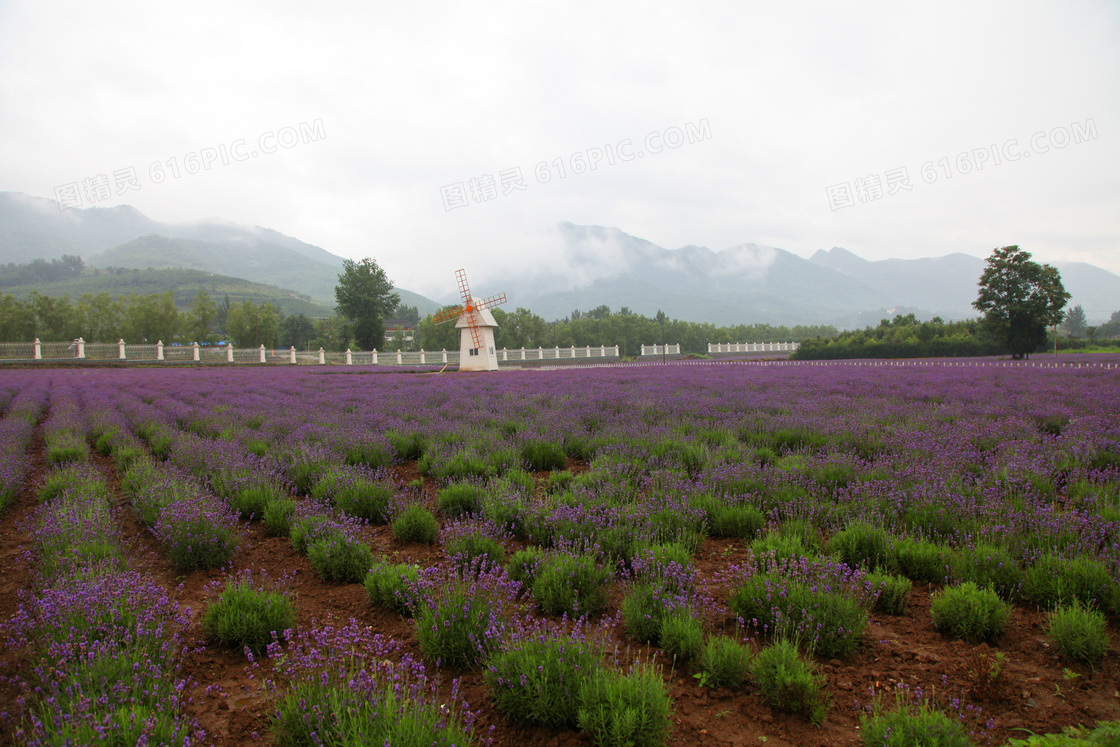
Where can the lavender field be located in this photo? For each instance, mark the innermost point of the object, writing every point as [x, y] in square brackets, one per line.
[708, 554]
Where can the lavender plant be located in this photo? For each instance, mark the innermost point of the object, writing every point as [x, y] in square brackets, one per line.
[248, 613]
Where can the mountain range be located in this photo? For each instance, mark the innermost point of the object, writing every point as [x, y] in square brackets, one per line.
[593, 266]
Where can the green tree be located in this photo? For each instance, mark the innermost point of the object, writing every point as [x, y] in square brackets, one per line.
[17, 320]
[432, 336]
[1075, 322]
[151, 318]
[251, 326]
[1020, 299]
[202, 318]
[297, 332]
[365, 297]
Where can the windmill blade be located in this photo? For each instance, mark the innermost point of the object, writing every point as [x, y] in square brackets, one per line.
[476, 336]
[495, 300]
[464, 289]
[447, 315]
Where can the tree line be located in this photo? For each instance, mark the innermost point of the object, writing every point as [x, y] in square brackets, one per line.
[148, 318]
[600, 326]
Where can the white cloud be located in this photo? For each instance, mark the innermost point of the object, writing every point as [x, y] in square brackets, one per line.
[798, 97]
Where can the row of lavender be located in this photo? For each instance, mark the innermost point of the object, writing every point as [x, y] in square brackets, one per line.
[103, 642]
[674, 456]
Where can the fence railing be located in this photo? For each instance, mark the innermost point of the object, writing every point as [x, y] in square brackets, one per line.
[661, 349]
[753, 347]
[15, 352]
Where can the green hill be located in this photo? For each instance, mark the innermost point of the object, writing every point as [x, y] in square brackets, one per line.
[185, 284]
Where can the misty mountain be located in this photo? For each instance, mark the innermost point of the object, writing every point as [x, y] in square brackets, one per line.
[751, 283]
[34, 228]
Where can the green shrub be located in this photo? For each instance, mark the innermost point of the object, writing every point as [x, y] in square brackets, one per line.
[509, 511]
[631, 710]
[338, 557]
[739, 521]
[1054, 580]
[80, 478]
[277, 516]
[459, 500]
[390, 585]
[467, 550]
[558, 481]
[245, 615]
[407, 445]
[781, 547]
[539, 456]
[681, 636]
[365, 499]
[250, 501]
[863, 546]
[988, 565]
[570, 584]
[969, 612]
[921, 560]
[1106, 734]
[828, 622]
[525, 564]
[458, 627]
[306, 529]
[539, 680]
[894, 593]
[642, 611]
[911, 726]
[416, 524]
[1079, 632]
[725, 661]
[788, 683]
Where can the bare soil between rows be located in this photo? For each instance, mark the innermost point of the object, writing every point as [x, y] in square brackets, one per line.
[1040, 693]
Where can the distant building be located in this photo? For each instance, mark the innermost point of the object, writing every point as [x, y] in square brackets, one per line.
[408, 334]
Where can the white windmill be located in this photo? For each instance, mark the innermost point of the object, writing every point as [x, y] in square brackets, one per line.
[476, 325]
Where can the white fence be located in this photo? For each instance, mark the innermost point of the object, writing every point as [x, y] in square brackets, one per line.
[661, 349]
[14, 352]
[753, 347]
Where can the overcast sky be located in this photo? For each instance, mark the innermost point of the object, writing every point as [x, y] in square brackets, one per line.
[395, 130]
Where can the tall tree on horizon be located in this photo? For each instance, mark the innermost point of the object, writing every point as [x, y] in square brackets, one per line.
[1020, 299]
[365, 297]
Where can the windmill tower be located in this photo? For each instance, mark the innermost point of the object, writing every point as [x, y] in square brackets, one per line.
[476, 325]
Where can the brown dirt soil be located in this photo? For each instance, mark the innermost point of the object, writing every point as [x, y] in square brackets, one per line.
[1038, 694]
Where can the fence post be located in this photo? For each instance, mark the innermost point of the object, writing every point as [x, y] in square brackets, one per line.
[398, 356]
[505, 354]
[522, 352]
[443, 356]
[349, 357]
[373, 356]
[540, 353]
[159, 350]
[423, 357]
[292, 354]
[81, 348]
[261, 351]
[195, 352]
[120, 348]
[322, 357]
[229, 353]
[38, 350]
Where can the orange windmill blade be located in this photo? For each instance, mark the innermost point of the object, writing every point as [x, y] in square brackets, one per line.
[473, 323]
